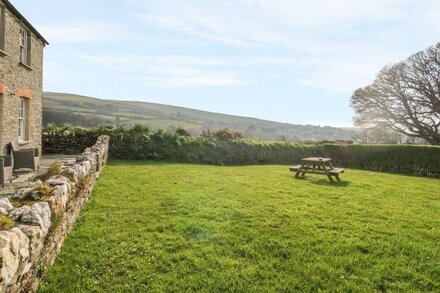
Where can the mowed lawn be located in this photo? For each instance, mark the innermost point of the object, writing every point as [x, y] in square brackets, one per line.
[163, 227]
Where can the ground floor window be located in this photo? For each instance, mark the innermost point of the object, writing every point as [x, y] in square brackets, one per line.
[22, 119]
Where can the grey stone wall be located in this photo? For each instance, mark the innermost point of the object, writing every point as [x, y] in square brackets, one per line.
[42, 224]
[67, 142]
[15, 77]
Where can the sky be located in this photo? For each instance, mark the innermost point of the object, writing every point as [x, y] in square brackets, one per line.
[282, 60]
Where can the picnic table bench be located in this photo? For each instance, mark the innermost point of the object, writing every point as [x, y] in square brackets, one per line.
[317, 165]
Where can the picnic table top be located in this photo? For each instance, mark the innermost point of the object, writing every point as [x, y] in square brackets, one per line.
[316, 160]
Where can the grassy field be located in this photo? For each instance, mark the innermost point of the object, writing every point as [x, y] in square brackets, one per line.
[163, 227]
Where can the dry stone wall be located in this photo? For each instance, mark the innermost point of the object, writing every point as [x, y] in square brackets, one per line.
[67, 142]
[43, 223]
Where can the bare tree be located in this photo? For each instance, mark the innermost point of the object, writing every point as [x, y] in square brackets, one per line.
[404, 96]
[381, 134]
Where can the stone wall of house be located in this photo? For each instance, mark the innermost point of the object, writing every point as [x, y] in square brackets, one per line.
[18, 80]
[42, 224]
[67, 142]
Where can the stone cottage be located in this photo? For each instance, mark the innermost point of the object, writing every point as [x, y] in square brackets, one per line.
[21, 80]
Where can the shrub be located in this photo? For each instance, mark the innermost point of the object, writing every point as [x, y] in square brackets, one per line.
[182, 131]
[223, 133]
[141, 143]
[421, 160]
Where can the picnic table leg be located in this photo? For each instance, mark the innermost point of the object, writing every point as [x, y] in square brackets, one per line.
[326, 172]
[330, 164]
[297, 174]
[337, 177]
[303, 166]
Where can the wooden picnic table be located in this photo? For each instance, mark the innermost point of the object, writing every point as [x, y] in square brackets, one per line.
[317, 165]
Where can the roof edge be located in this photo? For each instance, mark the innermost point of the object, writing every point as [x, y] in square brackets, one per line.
[24, 20]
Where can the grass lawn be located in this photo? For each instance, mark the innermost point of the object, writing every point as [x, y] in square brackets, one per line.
[163, 227]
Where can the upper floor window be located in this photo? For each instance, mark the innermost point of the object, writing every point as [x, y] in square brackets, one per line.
[25, 47]
[2, 27]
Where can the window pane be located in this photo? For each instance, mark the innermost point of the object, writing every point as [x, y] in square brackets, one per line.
[21, 128]
[22, 55]
[22, 123]
[28, 48]
[25, 47]
[2, 27]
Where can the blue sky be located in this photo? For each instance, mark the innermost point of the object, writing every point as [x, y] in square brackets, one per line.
[283, 60]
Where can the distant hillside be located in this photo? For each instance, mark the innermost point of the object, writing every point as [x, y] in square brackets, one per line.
[61, 108]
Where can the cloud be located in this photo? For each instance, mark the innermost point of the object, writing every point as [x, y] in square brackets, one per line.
[282, 22]
[340, 74]
[334, 45]
[217, 21]
[84, 32]
[169, 71]
[131, 61]
[197, 78]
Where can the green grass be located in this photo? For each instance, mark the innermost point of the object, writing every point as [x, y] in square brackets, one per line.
[163, 227]
[6, 222]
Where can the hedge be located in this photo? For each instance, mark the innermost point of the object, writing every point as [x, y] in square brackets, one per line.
[140, 143]
[420, 160]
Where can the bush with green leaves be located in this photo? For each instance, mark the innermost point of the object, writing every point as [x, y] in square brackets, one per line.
[224, 133]
[182, 131]
[421, 160]
[142, 143]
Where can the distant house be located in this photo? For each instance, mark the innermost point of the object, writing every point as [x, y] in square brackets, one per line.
[21, 79]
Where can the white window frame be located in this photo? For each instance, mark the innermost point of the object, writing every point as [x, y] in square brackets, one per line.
[25, 43]
[22, 119]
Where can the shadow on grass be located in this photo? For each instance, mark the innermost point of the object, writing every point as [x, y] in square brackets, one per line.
[325, 182]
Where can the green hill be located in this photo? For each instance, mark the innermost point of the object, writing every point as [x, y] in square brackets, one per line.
[62, 108]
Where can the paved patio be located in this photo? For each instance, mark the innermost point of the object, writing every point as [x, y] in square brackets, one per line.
[23, 179]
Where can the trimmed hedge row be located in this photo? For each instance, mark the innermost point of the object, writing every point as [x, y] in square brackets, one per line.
[422, 160]
[140, 143]
[208, 151]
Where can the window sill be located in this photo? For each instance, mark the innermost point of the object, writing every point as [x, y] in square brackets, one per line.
[23, 142]
[25, 66]
[3, 53]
